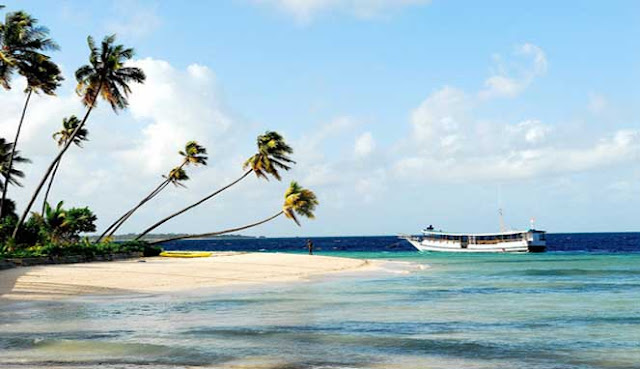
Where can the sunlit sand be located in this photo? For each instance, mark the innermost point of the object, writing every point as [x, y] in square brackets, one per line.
[157, 275]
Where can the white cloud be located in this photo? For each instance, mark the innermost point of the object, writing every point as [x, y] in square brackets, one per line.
[133, 19]
[511, 80]
[440, 116]
[364, 145]
[450, 144]
[330, 161]
[529, 132]
[179, 106]
[306, 10]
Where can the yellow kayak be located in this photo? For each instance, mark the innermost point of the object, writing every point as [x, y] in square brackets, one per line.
[186, 254]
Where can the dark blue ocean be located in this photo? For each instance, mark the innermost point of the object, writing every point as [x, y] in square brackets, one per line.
[574, 307]
[557, 242]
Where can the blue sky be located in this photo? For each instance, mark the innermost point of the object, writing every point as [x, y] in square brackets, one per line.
[402, 112]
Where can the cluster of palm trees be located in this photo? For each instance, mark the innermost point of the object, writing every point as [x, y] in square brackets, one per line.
[107, 77]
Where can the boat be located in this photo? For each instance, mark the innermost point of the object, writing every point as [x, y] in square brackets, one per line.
[531, 240]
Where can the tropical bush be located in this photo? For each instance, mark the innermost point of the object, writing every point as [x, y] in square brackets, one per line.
[84, 248]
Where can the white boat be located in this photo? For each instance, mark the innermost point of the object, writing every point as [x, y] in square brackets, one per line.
[506, 241]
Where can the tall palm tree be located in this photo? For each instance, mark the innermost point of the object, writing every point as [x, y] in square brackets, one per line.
[297, 200]
[193, 154]
[22, 42]
[107, 76]
[273, 154]
[62, 136]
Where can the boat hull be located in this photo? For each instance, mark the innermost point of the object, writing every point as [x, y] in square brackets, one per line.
[514, 247]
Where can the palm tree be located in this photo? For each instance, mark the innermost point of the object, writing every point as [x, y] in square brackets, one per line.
[297, 200]
[193, 154]
[107, 76]
[273, 154]
[62, 136]
[11, 174]
[22, 41]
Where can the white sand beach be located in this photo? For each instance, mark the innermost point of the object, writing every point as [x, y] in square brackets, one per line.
[165, 275]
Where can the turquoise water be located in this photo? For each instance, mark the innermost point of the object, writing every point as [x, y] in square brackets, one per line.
[554, 310]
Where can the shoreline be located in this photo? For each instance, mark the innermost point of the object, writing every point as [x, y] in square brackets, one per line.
[162, 275]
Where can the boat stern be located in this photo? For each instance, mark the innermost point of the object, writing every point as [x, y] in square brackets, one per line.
[536, 241]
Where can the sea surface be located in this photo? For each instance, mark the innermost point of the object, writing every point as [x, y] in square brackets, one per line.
[574, 307]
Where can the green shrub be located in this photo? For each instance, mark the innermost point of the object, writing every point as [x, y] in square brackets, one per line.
[83, 248]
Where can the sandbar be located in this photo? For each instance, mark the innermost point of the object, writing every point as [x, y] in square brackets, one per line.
[166, 275]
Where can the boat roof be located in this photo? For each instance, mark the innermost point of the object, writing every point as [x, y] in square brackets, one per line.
[479, 234]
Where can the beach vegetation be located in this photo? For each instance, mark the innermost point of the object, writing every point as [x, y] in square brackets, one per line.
[84, 249]
[105, 76]
[108, 77]
[22, 45]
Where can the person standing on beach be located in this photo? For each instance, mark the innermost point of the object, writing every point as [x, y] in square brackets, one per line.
[310, 247]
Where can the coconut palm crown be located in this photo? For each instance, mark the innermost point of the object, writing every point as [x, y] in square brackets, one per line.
[194, 154]
[299, 200]
[13, 174]
[273, 154]
[176, 175]
[68, 126]
[41, 73]
[106, 74]
[22, 42]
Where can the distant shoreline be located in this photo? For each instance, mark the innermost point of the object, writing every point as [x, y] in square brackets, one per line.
[161, 236]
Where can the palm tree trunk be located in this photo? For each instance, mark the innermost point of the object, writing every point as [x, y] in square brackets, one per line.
[46, 194]
[13, 152]
[156, 225]
[53, 163]
[219, 232]
[115, 225]
[130, 213]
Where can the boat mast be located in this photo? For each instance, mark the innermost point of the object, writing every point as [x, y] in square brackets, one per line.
[503, 228]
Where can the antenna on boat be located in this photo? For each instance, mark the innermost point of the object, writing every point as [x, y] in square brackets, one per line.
[532, 222]
[503, 228]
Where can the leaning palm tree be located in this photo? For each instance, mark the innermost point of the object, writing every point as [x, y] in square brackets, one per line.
[22, 42]
[107, 76]
[297, 200]
[193, 154]
[62, 136]
[273, 154]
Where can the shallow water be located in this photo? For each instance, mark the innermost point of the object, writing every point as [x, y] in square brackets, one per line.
[554, 310]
